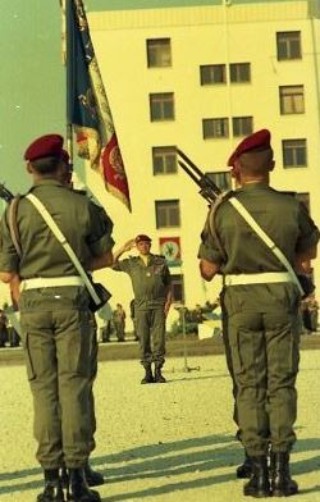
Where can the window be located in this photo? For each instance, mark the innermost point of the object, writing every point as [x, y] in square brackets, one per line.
[213, 74]
[164, 160]
[291, 99]
[215, 128]
[242, 126]
[289, 45]
[159, 52]
[222, 180]
[240, 72]
[294, 153]
[167, 213]
[177, 285]
[162, 106]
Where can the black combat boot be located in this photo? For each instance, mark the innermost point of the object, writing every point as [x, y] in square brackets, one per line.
[244, 470]
[94, 478]
[158, 377]
[148, 378]
[259, 485]
[52, 487]
[281, 483]
[64, 477]
[79, 489]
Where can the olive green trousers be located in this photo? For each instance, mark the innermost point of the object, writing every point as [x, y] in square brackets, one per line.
[263, 361]
[151, 329]
[57, 340]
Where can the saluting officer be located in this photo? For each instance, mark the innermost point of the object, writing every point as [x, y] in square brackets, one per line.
[261, 306]
[151, 282]
[55, 315]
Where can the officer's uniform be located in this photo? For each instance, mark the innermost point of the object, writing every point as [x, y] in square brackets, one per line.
[150, 284]
[261, 313]
[56, 322]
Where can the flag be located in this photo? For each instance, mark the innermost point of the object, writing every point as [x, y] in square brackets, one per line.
[88, 108]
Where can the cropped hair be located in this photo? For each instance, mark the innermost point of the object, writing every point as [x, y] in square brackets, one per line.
[256, 162]
[46, 165]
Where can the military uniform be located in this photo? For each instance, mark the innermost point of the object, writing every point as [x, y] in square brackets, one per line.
[119, 322]
[57, 330]
[261, 314]
[150, 282]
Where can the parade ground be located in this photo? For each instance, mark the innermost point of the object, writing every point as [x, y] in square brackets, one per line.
[161, 442]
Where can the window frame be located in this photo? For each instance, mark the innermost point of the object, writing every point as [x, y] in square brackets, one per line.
[242, 126]
[161, 100]
[217, 176]
[291, 103]
[287, 43]
[294, 147]
[216, 123]
[177, 281]
[159, 54]
[164, 153]
[165, 213]
[212, 74]
[235, 73]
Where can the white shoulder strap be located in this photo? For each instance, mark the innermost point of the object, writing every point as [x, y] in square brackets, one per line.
[65, 244]
[266, 239]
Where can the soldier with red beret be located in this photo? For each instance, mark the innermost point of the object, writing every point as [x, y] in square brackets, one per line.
[260, 299]
[54, 310]
[150, 277]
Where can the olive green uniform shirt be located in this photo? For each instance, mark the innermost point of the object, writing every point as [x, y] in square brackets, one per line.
[281, 216]
[87, 228]
[150, 282]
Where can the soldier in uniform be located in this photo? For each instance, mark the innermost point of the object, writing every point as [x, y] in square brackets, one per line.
[93, 477]
[151, 284]
[261, 306]
[55, 316]
[119, 322]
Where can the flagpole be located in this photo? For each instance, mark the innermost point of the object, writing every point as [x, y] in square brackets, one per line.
[67, 6]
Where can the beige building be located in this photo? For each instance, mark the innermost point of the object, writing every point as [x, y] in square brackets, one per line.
[201, 77]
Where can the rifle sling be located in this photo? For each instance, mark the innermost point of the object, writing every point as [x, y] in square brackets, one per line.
[13, 226]
[244, 213]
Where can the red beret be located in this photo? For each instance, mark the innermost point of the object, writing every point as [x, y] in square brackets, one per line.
[256, 142]
[49, 145]
[142, 238]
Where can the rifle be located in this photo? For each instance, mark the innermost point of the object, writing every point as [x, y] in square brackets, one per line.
[10, 311]
[208, 189]
[5, 194]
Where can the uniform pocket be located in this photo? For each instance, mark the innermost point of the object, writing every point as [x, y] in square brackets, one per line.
[234, 342]
[28, 358]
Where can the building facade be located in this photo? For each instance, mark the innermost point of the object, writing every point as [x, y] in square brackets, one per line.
[200, 76]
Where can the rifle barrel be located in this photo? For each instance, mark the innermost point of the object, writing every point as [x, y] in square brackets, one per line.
[189, 162]
[189, 172]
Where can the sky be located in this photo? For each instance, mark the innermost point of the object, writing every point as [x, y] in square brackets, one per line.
[32, 76]
[32, 81]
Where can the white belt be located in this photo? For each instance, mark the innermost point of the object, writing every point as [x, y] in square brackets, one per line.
[263, 278]
[51, 282]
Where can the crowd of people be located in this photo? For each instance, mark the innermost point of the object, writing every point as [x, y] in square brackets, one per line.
[8, 335]
[54, 237]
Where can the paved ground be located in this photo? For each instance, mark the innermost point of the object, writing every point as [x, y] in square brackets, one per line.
[160, 443]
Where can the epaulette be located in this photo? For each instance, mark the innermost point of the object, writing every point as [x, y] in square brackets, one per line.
[292, 194]
[79, 191]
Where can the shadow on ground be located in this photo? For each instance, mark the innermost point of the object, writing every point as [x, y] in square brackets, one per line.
[166, 460]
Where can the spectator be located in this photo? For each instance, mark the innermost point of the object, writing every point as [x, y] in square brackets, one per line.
[119, 322]
[3, 329]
